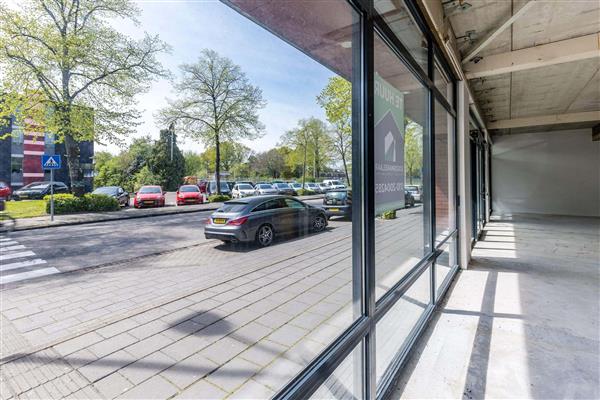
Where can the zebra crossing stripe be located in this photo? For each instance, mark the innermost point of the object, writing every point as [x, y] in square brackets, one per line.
[12, 248]
[28, 275]
[21, 264]
[7, 244]
[4, 257]
[4, 240]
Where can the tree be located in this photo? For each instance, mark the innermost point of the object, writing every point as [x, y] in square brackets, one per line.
[336, 100]
[165, 163]
[232, 153]
[269, 163]
[217, 103]
[65, 67]
[300, 138]
[319, 145]
[194, 165]
[413, 149]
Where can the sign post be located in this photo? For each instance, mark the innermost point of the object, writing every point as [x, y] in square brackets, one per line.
[51, 162]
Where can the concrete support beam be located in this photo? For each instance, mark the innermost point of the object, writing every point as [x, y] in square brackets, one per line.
[494, 33]
[589, 116]
[564, 51]
[464, 175]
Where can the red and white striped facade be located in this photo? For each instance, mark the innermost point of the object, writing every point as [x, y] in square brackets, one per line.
[33, 149]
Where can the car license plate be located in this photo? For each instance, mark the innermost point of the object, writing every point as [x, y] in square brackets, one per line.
[219, 220]
[24, 196]
[148, 202]
[334, 209]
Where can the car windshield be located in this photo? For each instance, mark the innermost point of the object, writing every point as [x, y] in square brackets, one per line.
[190, 188]
[150, 189]
[336, 183]
[413, 189]
[282, 185]
[311, 184]
[106, 190]
[224, 186]
[336, 195]
[265, 186]
[232, 207]
[244, 186]
[36, 185]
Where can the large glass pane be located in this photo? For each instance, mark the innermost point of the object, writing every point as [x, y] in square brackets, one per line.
[445, 262]
[215, 300]
[442, 82]
[345, 383]
[395, 327]
[401, 237]
[401, 22]
[445, 210]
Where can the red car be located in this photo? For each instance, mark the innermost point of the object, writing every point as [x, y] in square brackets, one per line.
[149, 196]
[189, 194]
[4, 191]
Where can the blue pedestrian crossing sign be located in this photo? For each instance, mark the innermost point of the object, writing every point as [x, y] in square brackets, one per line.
[51, 161]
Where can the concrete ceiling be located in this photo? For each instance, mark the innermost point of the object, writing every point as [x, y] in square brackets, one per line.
[558, 88]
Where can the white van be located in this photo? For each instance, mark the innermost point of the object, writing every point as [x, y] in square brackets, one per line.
[334, 184]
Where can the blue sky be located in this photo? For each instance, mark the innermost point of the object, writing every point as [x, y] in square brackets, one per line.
[289, 79]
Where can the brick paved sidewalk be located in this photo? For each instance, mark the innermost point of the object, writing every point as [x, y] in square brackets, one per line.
[205, 322]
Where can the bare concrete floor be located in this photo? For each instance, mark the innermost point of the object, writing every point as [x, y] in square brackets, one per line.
[522, 322]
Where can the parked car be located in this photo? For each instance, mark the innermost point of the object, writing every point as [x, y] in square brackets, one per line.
[312, 186]
[189, 194]
[5, 191]
[324, 188]
[334, 184]
[261, 219]
[149, 196]
[338, 202]
[262, 189]
[231, 184]
[409, 200]
[212, 188]
[284, 188]
[37, 190]
[415, 191]
[242, 190]
[296, 186]
[114, 191]
[248, 182]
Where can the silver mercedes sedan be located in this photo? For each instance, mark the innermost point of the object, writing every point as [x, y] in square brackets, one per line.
[261, 219]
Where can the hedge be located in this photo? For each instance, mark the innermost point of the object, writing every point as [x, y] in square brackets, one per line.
[68, 203]
[218, 198]
[389, 214]
[305, 192]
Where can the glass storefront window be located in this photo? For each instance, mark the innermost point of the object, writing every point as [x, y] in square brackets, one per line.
[404, 27]
[344, 383]
[395, 327]
[401, 237]
[445, 209]
[445, 262]
[442, 83]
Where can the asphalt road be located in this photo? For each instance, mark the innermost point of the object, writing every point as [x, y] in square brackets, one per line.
[80, 246]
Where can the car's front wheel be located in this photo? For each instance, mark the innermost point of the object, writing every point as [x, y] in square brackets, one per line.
[265, 235]
[319, 223]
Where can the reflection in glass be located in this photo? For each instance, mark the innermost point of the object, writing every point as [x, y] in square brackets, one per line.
[393, 329]
[442, 82]
[345, 382]
[444, 173]
[445, 262]
[400, 134]
[404, 27]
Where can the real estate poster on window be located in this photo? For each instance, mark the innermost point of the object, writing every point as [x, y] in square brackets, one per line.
[389, 147]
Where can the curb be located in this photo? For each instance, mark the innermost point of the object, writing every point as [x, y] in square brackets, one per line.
[134, 216]
[116, 218]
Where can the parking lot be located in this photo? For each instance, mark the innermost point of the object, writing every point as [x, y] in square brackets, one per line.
[201, 319]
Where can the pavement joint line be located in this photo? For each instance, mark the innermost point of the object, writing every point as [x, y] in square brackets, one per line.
[35, 349]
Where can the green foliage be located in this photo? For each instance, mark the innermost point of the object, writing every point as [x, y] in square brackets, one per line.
[305, 192]
[413, 150]
[66, 66]
[336, 100]
[26, 209]
[218, 198]
[391, 214]
[169, 173]
[309, 144]
[68, 203]
[145, 177]
[194, 164]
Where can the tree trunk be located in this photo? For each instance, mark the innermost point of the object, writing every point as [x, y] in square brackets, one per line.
[304, 167]
[75, 173]
[346, 169]
[217, 162]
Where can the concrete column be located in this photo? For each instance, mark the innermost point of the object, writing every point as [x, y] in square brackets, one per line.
[464, 175]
